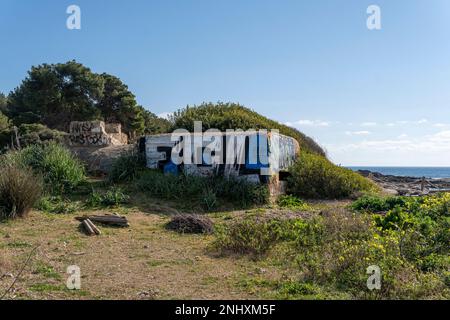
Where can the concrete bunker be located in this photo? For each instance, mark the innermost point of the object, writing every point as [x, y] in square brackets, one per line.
[258, 157]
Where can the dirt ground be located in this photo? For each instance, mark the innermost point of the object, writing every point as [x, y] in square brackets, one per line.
[145, 261]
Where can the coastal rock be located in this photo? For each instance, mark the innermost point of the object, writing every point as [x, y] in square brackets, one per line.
[407, 186]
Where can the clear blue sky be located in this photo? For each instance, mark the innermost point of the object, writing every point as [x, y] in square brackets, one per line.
[370, 97]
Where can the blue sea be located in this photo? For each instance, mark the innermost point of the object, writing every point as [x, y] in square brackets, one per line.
[428, 172]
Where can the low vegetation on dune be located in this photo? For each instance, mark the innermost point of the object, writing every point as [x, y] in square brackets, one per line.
[331, 252]
[225, 116]
[313, 176]
[60, 169]
[27, 135]
[422, 222]
[34, 171]
[208, 193]
[113, 196]
[126, 167]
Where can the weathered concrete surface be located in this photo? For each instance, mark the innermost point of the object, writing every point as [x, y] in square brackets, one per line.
[100, 159]
[257, 157]
[114, 130]
[95, 134]
[250, 151]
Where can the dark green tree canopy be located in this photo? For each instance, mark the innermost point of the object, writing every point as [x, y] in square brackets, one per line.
[154, 124]
[118, 104]
[5, 124]
[56, 94]
[4, 121]
[3, 102]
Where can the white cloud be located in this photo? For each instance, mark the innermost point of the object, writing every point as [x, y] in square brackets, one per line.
[405, 122]
[403, 136]
[441, 137]
[357, 133]
[431, 143]
[428, 150]
[309, 123]
[368, 124]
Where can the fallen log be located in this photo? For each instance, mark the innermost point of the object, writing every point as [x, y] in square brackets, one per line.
[87, 227]
[93, 227]
[110, 220]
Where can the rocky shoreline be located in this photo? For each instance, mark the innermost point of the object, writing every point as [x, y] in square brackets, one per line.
[407, 186]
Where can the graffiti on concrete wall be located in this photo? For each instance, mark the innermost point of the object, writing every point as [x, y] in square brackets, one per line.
[250, 153]
[95, 134]
[93, 139]
[88, 133]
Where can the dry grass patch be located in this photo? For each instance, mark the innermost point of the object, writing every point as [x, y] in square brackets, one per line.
[145, 261]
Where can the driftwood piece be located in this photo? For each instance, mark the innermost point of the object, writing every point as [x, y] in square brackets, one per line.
[107, 220]
[87, 227]
[93, 227]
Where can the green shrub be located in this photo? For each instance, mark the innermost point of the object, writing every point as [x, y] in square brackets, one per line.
[33, 134]
[5, 131]
[204, 191]
[378, 204]
[4, 122]
[295, 288]
[424, 225]
[394, 219]
[334, 250]
[29, 134]
[57, 205]
[251, 235]
[313, 176]
[114, 196]
[239, 191]
[209, 199]
[422, 221]
[20, 189]
[61, 171]
[126, 167]
[292, 202]
[170, 186]
[346, 245]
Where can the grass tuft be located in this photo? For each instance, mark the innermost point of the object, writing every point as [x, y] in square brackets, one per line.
[20, 189]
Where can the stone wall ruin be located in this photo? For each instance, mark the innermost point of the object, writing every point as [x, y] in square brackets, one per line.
[96, 134]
